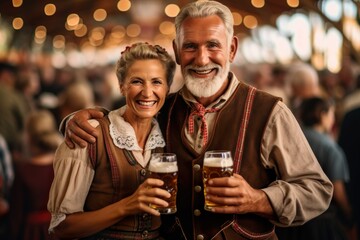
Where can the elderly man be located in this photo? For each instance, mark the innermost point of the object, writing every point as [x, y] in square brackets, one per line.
[277, 179]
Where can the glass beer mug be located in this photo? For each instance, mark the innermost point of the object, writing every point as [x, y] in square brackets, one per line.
[164, 166]
[216, 164]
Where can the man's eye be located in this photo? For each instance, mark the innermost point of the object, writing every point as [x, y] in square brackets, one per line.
[189, 47]
[212, 45]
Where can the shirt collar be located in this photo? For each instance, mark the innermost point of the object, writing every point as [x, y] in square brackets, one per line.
[123, 134]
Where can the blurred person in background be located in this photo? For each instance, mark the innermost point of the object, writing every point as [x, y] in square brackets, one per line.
[349, 139]
[29, 218]
[317, 117]
[348, 73]
[76, 96]
[28, 85]
[302, 81]
[278, 84]
[104, 84]
[331, 88]
[55, 81]
[261, 77]
[102, 192]
[6, 179]
[258, 75]
[12, 110]
[330, 85]
[352, 100]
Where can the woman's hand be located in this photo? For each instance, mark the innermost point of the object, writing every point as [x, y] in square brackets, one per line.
[149, 192]
[82, 224]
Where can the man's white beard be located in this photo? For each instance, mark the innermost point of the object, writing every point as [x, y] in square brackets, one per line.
[205, 87]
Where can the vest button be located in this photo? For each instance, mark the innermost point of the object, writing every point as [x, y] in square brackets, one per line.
[197, 188]
[145, 234]
[197, 212]
[196, 167]
[143, 172]
[200, 237]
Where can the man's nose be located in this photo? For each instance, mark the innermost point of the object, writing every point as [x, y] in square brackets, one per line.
[202, 57]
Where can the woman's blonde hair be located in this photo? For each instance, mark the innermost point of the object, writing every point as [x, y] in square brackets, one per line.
[144, 51]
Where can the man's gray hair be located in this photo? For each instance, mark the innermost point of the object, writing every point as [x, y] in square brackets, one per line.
[201, 9]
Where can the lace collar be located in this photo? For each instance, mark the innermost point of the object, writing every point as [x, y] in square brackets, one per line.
[123, 134]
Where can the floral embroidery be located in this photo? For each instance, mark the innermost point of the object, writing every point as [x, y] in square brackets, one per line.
[126, 141]
[56, 219]
[123, 134]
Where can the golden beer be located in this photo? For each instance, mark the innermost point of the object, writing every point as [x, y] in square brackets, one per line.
[215, 166]
[165, 168]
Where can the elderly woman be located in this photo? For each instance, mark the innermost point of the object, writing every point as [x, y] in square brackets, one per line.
[101, 192]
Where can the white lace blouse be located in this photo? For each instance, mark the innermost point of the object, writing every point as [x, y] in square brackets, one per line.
[74, 172]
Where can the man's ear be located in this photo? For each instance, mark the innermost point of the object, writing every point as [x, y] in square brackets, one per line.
[233, 48]
[176, 52]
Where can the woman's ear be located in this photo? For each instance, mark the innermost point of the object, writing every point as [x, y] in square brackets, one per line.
[122, 89]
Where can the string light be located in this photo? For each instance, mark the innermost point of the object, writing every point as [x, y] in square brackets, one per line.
[49, 9]
[124, 5]
[18, 23]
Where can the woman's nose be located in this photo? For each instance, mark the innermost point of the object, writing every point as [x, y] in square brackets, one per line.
[147, 90]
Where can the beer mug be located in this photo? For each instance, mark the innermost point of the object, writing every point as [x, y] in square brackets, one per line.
[164, 166]
[216, 164]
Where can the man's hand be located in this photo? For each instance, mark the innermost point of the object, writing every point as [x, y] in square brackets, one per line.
[237, 197]
[78, 130]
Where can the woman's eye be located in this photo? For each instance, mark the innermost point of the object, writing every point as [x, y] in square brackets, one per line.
[135, 81]
[157, 82]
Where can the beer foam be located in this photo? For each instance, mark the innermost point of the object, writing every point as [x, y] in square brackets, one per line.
[218, 162]
[163, 167]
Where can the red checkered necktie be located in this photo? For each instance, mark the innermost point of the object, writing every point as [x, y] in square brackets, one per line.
[200, 111]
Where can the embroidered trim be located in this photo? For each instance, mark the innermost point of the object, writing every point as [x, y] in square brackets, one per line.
[243, 127]
[56, 219]
[123, 134]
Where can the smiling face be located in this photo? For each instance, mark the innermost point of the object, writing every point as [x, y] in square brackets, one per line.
[145, 89]
[204, 54]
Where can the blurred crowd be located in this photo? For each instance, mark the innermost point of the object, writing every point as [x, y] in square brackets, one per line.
[34, 100]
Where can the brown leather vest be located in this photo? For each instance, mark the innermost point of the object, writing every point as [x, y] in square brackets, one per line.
[229, 124]
[117, 175]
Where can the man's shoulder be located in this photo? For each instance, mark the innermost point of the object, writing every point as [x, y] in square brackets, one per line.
[260, 94]
[267, 96]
